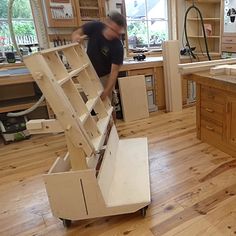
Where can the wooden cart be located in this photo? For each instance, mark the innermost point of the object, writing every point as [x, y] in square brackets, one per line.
[80, 185]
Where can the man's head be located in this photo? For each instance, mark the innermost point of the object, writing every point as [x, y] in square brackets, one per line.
[115, 25]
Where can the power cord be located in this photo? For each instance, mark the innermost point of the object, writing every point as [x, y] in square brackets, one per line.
[13, 39]
[203, 29]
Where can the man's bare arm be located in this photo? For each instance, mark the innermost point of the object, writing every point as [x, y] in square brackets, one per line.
[111, 81]
[78, 35]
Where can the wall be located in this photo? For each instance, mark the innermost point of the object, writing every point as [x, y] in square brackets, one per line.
[230, 21]
[111, 5]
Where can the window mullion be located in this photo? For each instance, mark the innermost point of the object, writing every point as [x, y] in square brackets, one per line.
[146, 12]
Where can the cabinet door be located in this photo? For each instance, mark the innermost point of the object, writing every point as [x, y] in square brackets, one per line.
[231, 124]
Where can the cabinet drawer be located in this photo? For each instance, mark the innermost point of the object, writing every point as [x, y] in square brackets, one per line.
[211, 95]
[148, 71]
[228, 40]
[149, 81]
[212, 110]
[212, 115]
[210, 130]
[227, 47]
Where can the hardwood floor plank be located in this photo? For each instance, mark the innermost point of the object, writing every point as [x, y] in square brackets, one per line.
[193, 185]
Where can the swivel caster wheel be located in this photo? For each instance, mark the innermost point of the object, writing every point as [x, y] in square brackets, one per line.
[66, 223]
[144, 211]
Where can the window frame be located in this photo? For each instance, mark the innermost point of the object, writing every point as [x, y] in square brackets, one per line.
[172, 28]
[23, 41]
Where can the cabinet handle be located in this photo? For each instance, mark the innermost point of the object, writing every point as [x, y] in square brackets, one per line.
[227, 107]
[229, 40]
[73, 11]
[211, 96]
[209, 110]
[210, 128]
[228, 47]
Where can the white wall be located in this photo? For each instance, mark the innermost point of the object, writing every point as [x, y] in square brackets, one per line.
[229, 27]
[111, 5]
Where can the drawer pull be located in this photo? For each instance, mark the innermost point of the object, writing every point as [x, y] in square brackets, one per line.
[228, 47]
[211, 96]
[210, 128]
[229, 40]
[227, 107]
[209, 110]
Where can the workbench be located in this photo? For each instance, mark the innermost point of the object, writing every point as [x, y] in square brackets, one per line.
[17, 74]
[216, 109]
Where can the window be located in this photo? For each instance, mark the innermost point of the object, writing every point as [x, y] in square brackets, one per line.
[147, 23]
[23, 26]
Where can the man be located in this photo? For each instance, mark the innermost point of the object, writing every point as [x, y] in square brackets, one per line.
[105, 48]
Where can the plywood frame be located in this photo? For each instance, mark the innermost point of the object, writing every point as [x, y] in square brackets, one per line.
[74, 190]
[173, 83]
[83, 196]
[133, 97]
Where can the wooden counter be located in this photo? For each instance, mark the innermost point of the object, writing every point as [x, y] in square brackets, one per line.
[130, 64]
[150, 66]
[216, 110]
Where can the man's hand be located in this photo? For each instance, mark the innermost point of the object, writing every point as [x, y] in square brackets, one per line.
[105, 94]
[78, 36]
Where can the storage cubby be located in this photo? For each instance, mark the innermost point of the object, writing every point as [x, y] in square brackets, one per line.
[89, 10]
[212, 17]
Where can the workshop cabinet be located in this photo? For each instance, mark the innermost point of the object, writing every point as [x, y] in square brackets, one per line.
[216, 112]
[60, 13]
[231, 125]
[211, 11]
[212, 110]
[90, 10]
[72, 13]
[229, 32]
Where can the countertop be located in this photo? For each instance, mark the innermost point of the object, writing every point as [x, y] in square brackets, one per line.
[224, 82]
[131, 64]
[17, 73]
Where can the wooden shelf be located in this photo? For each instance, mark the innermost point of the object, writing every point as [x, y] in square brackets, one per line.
[89, 18]
[89, 8]
[211, 11]
[72, 74]
[102, 126]
[202, 37]
[205, 1]
[211, 53]
[205, 19]
[18, 104]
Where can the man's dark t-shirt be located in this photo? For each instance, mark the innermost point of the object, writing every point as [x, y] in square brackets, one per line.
[102, 52]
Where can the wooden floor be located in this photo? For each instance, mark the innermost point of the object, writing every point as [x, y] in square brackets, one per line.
[193, 185]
